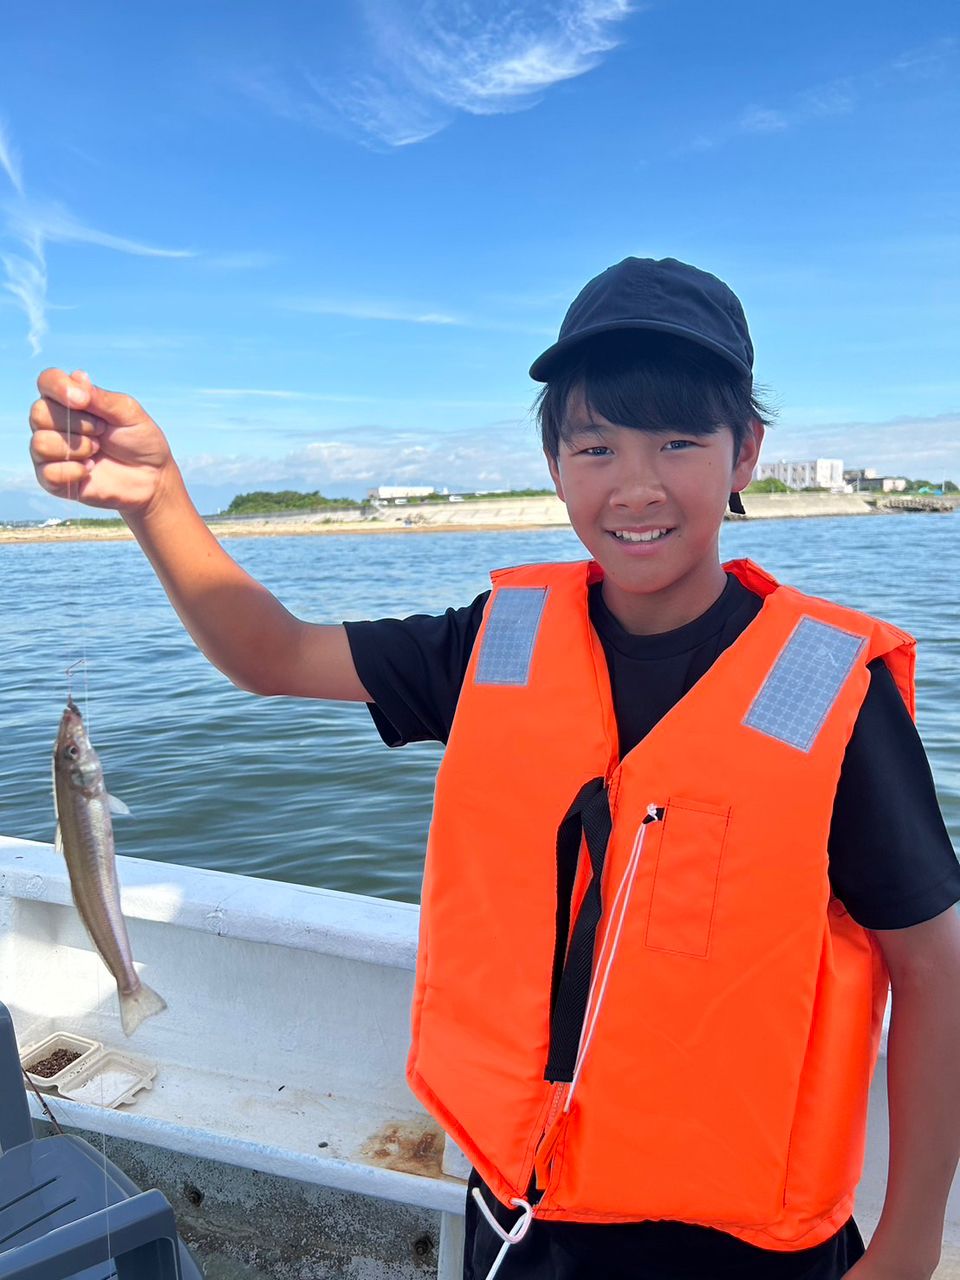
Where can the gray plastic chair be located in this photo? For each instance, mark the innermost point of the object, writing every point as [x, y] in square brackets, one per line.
[135, 1239]
[67, 1211]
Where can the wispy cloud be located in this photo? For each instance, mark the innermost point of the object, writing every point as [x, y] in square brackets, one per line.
[410, 313]
[27, 282]
[763, 120]
[918, 447]
[50, 222]
[927, 60]
[381, 455]
[834, 98]
[9, 160]
[293, 426]
[425, 64]
[369, 311]
[29, 225]
[837, 97]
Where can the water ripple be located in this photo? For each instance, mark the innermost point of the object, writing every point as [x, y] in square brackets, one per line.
[304, 791]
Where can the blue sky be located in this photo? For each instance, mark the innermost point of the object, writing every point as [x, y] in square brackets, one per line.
[322, 243]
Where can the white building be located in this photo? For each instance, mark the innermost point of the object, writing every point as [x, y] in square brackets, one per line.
[866, 479]
[820, 473]
[391, 492]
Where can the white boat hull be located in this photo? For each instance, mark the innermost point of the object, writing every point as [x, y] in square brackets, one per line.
[282, 1050]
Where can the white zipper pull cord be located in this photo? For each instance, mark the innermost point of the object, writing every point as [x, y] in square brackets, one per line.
[624, 889]
[513, 1236]
[621, 900]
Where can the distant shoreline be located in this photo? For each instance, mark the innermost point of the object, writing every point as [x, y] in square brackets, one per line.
[490, 515]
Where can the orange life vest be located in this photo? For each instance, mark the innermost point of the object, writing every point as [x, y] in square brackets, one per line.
[696, 1041]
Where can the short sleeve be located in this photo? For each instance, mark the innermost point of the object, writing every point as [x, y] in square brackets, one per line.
[891, 861]
[413, 669]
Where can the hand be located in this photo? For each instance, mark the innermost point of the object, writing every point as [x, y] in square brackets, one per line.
[96, 446]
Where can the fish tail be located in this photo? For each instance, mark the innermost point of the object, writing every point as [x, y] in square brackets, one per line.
[135, 1006]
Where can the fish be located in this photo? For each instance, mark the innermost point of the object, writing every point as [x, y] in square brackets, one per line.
[85, 837]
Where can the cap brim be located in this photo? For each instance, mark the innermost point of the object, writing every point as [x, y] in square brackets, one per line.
[553, 359]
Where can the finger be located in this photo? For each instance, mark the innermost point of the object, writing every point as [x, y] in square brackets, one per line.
[81, 375]
[115, 408]
[51, 446]
[48, 415]
[56, 385]
[57, 476]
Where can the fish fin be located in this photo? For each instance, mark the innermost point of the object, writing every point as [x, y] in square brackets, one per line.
[58, 840]
[117, 807]
[138, 1005]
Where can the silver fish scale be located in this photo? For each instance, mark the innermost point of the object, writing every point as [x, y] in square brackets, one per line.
[86, 834]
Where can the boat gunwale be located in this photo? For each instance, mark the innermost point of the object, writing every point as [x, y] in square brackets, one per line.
[247, 908]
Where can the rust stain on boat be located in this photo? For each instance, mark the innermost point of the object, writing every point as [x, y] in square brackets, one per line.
[406, 1148]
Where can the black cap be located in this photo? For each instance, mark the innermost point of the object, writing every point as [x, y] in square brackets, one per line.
[664, 295]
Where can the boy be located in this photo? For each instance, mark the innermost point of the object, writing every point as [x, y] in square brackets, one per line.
[683, 830]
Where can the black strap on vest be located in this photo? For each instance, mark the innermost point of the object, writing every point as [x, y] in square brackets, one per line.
[588, 818]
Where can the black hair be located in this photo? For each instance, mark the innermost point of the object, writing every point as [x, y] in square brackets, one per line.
[653, 382]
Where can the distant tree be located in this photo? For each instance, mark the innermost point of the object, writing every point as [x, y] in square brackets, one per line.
[263, 502]
[494, 497]
[950, 487]
[770, 485]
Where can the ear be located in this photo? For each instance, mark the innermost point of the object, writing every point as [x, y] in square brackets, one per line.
[746, 462]
[554, 474]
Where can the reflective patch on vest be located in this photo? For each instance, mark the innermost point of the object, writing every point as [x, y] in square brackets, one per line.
[509, 636]
[796, 697]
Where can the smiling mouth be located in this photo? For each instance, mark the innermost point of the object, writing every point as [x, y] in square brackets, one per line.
[648, 535]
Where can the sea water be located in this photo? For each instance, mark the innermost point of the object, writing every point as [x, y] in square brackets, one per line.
[305, 791]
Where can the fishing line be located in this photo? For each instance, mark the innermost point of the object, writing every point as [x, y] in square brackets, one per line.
[82, 601]
[42, 1100]
[82, 660]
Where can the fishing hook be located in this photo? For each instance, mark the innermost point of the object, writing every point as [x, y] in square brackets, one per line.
[80, 662]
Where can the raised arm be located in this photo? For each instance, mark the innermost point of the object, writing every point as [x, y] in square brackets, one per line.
[103, 449]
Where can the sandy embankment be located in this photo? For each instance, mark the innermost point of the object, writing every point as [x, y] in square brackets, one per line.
[505, 513]
[489, 514]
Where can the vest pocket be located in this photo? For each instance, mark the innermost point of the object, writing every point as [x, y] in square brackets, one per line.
[684, 893]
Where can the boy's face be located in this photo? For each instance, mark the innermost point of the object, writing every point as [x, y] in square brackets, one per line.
[648, 507]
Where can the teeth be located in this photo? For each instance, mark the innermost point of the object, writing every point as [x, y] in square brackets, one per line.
[625, 536]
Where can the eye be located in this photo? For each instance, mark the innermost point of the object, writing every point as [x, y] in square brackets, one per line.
[677, 446]
[595, 451]
[72, 751]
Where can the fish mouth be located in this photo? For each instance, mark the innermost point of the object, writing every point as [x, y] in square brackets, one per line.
[72, 730]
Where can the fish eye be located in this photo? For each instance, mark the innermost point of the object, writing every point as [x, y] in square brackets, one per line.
[72, 751]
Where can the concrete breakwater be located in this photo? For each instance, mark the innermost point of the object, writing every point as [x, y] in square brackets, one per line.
[916, 502]
[487, 514]
[770, 506]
